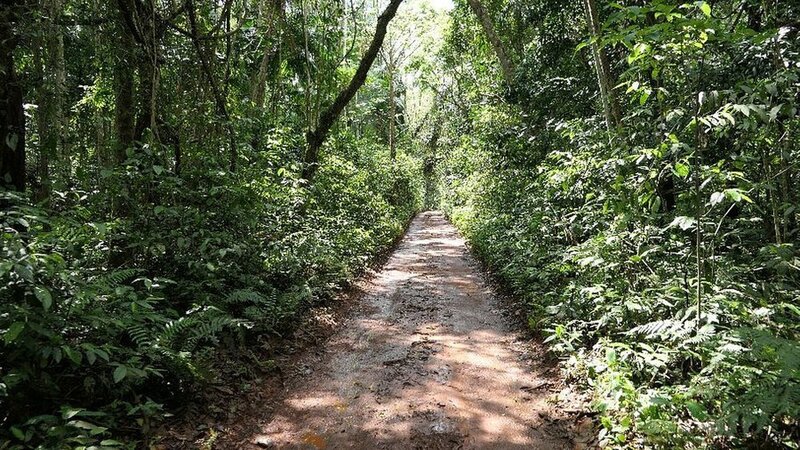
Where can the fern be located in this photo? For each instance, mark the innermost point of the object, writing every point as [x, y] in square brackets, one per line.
[174, 329]
[762, 385]
[197, 326]
[141, 335]
[657, 328]
[244, 296]
[111, 280]
[210, 329]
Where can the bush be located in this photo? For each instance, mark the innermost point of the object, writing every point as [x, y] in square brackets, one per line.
[104, 322]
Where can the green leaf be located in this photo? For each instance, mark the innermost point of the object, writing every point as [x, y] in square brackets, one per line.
[99, 226]
[74, 356]
[681, 170]
[13, 332]
[697, 411]
[102, 354]
[643, 98]
[44, 296]
[728, 116]
[706, 8]
[773, 113]
[24, 272]
[97, 430]
[58, 354]
[82, 424]
[11, 141]
[119, 373]
[791, 308]
[19, 434]
[737, 195]
[69, 413]
[5, 267]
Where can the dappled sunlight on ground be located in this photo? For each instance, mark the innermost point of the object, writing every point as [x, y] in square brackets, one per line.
[426, 361]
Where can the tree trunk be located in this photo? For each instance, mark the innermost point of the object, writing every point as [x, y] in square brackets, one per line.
[506, 65]
[124, 130]
[51, 93]
[274, 20]
[316, 137]
[392, 114]
[12, 114]
[429, 168]
[123, 100]
[610, 106]
[219, 98]
[146, 97]
[41, 186]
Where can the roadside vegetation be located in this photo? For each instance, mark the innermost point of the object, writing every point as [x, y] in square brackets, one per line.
[181, 180]
[636, 185]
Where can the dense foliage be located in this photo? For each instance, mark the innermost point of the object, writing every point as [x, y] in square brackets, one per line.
[166, 229]
[628, 169]
[656, 248]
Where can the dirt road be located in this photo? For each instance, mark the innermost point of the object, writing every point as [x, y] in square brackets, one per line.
[425, 360]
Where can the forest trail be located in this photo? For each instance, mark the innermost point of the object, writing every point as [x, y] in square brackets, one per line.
[424, 360]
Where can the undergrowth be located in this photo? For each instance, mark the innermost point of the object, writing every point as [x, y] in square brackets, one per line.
[93, 353]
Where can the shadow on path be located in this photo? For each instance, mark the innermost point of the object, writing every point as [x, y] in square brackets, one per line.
[424, 361]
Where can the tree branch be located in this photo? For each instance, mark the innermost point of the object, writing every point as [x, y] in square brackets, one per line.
[315, 138]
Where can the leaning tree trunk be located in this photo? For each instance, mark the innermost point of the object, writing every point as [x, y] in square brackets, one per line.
[12, 114]
[611, 109]
[506, 65]
[316, 137]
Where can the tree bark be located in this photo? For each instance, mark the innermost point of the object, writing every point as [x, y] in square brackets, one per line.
[611, 108]
[274, 19]
[50, 93]
[123, 99]
[392, 114]
[12, 114]
[506, 65]
[147, 68]
[316, 137]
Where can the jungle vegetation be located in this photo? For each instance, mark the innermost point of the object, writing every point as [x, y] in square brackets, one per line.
[181, 179]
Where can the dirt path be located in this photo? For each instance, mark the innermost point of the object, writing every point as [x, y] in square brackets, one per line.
[425, 360]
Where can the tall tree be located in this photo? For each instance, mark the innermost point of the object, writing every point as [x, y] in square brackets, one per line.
[316, 137]
[123, 92]
[506, 64]
[611, 110]
[49, 113]
[400, 44]
[12, 114]
[273, 18]
[205, 64]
